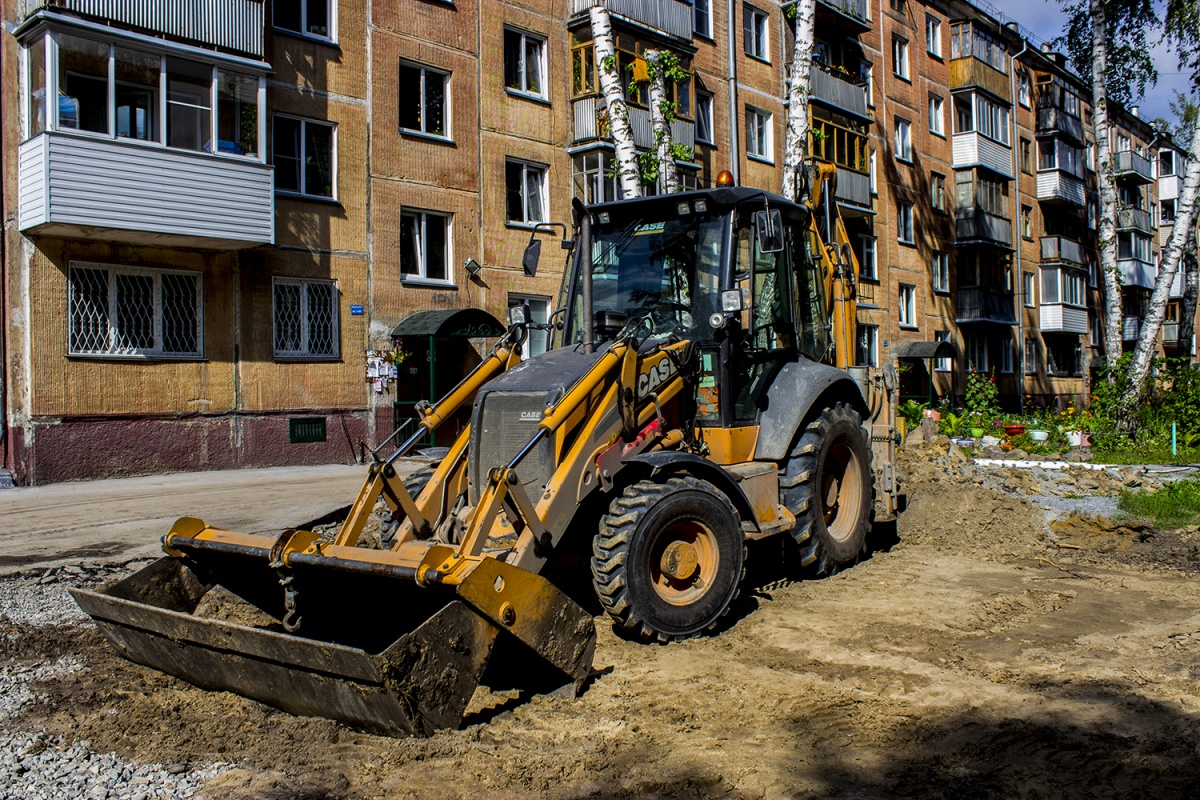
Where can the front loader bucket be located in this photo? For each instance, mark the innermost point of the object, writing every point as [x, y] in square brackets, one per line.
[371, 650]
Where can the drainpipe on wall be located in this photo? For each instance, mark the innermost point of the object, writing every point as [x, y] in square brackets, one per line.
[1019, 278]
[735, 165]
[5, 439]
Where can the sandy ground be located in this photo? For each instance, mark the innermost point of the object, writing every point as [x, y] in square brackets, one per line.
[976, 653]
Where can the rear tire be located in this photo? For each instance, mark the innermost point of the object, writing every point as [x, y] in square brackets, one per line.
[668, 559]
[828, 485]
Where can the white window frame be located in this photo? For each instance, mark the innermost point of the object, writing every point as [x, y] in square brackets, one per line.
[903, 140]
[933, 36]
[937, 115]
[331, 8]
[1024, 88]
[113, 312]
[447, 118]
[704, 112]
[756, 37]
[526, 166]
[1094, 337]
[333, 156]
[900, 57]
[704, 30]
[1027, 289]
[943, 364]
[907, 305]
[543, 66]
[940, 266]
[1030, 354]
[1165, 154]
[305, 347]
[422, 220]
[866, 73]
[868, 247]
[534, 301]
[904, 222]
[760, 145]
[869, 355]
[871, 173]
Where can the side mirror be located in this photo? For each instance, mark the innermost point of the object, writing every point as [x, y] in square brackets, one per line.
[768, 225]
[533, 252]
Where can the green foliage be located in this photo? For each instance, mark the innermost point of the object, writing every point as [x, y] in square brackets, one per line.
[912, 411]
[1130, 65]
[609, 63]
[1173, 506]
[681, 152]
[983, 397]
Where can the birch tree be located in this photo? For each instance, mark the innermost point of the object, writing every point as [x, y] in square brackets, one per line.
[628, 175]
[662, 111]
[1107, 223]
[1191, 292]
[795, 146]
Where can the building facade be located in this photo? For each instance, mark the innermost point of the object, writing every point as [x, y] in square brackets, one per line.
[216, 213]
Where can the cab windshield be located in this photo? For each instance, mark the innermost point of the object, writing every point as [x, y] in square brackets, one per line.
[667, 273]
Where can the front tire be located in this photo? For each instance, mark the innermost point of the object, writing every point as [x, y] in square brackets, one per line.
[668, 559]
[828, 485]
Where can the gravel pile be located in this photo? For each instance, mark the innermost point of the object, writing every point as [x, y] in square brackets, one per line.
[26, 602]
[14, 682]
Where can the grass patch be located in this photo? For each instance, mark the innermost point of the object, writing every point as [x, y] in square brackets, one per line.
[1146, 456]
[1176, 505]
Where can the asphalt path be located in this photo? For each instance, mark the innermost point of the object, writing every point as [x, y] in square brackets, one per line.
[122, 519]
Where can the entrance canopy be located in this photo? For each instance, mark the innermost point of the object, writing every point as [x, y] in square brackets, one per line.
[458, 322]
[926, 350]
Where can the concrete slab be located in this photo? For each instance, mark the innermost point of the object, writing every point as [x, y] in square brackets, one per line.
[121, 519]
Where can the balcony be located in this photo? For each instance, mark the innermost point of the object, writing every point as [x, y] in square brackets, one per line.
[971, 73]
[1128, 165]
[976, 226]
[1170, 187]
[1056, 250]
[852, 188]
[1136, 219]
[851, 14]
[1056, 122]
[235, 25]
[591, 118]
[1170, 333]
[985, 305]
[839, 90]
[669, 17]
[1058, 318]
[1131, 327]
[1056, 186]
[1135, 272]
[975, 149]
[78, 186]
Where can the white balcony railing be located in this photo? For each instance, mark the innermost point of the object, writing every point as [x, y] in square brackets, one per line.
[229, 24]
[114, 190]
[1056, 185]
[1059, 318]
[666, 16]
[975, 149]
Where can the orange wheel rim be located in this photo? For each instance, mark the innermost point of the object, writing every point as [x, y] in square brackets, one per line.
[841, 491]
[684, 561]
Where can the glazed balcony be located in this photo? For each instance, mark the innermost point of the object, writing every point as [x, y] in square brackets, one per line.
[1135, 272]
[979, 304]
[1057, 186]
[974, 149]
[1056, 122]
[1132, 167]
[669, 17]
[1061, 318]
[1057, 250]
[233, 25]
[972, 73]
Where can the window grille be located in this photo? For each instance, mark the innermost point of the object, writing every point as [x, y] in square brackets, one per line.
[306, 321]
[132, 311]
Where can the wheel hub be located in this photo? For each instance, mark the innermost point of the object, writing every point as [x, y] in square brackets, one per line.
[679, 560]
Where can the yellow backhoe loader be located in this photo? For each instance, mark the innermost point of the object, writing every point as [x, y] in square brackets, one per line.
[700, 394]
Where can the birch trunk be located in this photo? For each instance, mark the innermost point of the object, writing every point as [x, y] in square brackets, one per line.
[1185, 221]
[1107, 222]
[795, 147]
[1191, 292]
[668, 178]
[628, 175]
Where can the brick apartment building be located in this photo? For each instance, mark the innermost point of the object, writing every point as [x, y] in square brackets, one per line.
[232, 201]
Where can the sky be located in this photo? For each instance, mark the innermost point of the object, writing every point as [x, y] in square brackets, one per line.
[1046, 20]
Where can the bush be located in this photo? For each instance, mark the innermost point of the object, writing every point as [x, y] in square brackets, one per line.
[983, 398]
[912, 412]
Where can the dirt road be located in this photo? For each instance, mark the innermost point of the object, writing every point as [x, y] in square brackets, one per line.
[974, 654]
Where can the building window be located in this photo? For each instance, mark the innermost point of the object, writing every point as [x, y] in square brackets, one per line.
[942, 364]
[424, 246]
[307, 17]
[1027, 289]
[871, 173]
[903, 141]
[937, 191]
[1006, 356]
[524, 63]
[899, 5]
[1026, 156]
[868, 346]
[1166, 212]
[1091, 212]
[129, 311]
[538, 340]
[937, 115]
[1031, 356]
[867, 268]
[977, 355]
[1095, 338]
[594, 177]
[904, 223]
[758, 133]
[941, 272]
[755, 30]
[704, 118]
[1166, 163]
[933, 36]
[1027, 222]
[866, 73]
[525, 192]
[1093, 273]
[1024, 90]
[900, 57]
[423, 100]
[1091, 156]
[305, 156]
[1124, 143]
[702, 18]
[908, 306]
[306, 318]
